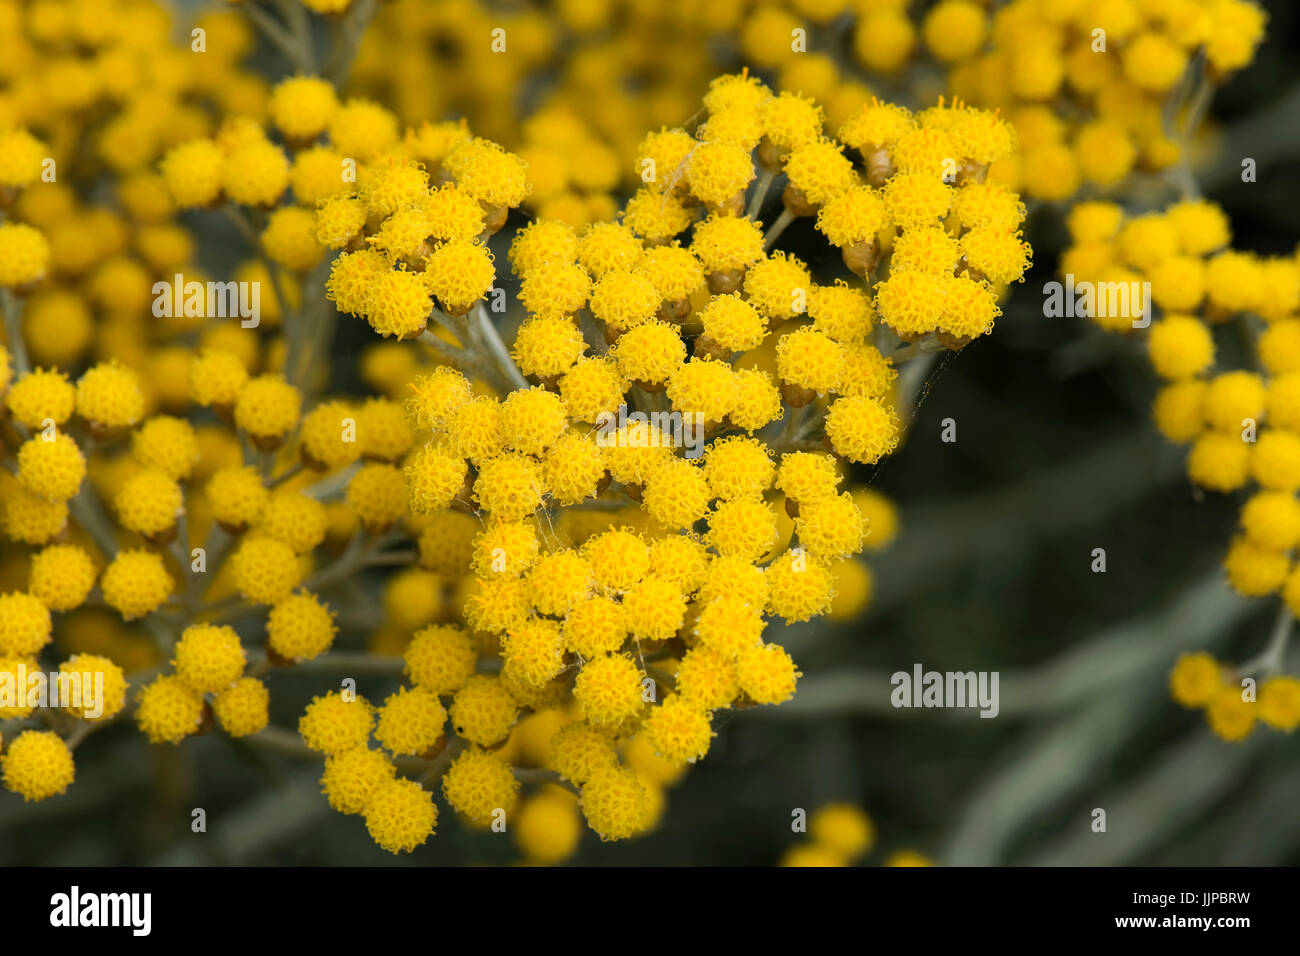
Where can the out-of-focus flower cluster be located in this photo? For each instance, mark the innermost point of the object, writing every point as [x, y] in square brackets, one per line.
[1238, 409]
[1095, 90]
[841, 834]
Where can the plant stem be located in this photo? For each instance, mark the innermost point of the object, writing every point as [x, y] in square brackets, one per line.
[1269, 661]
[14, 331]
[760, 193]
[350, 32]
[778, 227]
[497, 349]
[276, 33]
[89, 513]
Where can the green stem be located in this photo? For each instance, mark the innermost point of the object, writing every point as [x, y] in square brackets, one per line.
[1269, 661]
[760, 193]
[778, 227]
[14, 331]
[86, 508]
[497, 349]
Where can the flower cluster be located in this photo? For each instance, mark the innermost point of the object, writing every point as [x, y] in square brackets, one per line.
[1118, 66]
[1232, 707]
[624, 583]
[584, 589]
[1242, 423]
[840, 834]
[585, 542]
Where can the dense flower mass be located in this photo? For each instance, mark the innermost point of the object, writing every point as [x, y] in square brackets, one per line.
[606, 437]
[1241, 424]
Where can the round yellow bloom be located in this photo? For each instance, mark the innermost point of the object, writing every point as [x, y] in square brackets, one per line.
[609, 689]
[843, 828]
[1179, 410]
[268, 408]
[193, 172]
[482, 710]
[336, 723]
[1231, 716]
[217, 377]
[954, 29]
[615, 803]
[377, 493]
[654, 609]
[400, 815]
[296, 519]
[24, 625]
[109, 396]
[911, 302]
[883, 40]
[410, 721]
[1275, 461]
[108, 699]
[1233, 398]
[459, 273]
[799, 587]
[353, 777]
[237, 496]
[136, 583]
[1271, 520]
[23, 156]
[440, 659]
[820, 171]
[265, 570]
[547, 828]
[1195, 679]
[433, 479]
[480, 785]
[676, 493]
[62, 576]
[717, 172]
[509, 486]
[255, 174]
[362, 129]
[301, 106]
[533, 652]
[766, 673]
[149, 502]
[679, 729]
[167, 444]
[862, 429]
[561, 579]
[708, 677]
[581, 750]
[168, 710]
[209, 657]
[37, 764]
[243, 707]
[51, 467]
[1154, 62]
[488, 172]
[40, 395]
[1279, 703]
[727, 243]
[290, 239]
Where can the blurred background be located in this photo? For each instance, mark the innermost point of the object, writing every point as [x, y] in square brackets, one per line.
[991, 570]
